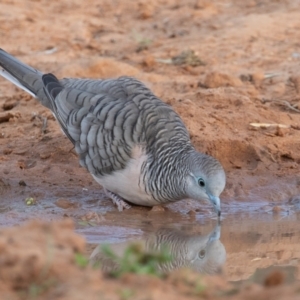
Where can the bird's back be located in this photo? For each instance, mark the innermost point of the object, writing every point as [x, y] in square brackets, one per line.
[106, 119]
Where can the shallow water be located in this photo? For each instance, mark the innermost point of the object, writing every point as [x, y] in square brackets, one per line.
[251, 236]
[243, 243]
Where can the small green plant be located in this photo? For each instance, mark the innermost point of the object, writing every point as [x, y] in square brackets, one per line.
[87, 223]
[189, 58]
[35, 290]
[199, 288]
[136, 260]
[30, 201]
[143, 43]
[126, 294]
[81, 260]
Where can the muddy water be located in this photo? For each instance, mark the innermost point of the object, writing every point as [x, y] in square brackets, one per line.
[250, 237]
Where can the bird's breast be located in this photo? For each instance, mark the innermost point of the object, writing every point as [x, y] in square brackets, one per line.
[128, 183]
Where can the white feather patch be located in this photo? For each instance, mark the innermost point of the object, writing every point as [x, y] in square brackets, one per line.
[15, 81]
[126, 183]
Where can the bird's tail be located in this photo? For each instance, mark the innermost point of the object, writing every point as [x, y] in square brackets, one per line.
[23, 76]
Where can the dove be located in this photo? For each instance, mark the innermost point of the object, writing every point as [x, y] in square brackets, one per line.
[131, 142]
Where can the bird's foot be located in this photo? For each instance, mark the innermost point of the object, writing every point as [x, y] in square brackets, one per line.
[117, 200]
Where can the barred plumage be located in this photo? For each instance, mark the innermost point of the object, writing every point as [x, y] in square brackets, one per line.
[135, 145]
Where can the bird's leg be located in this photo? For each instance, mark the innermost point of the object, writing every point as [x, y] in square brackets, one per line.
[117, 200]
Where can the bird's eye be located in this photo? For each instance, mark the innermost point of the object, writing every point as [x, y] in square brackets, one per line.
[202, 253]
[201, 182]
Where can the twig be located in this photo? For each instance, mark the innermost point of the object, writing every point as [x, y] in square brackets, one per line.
[288, 105]
[44, 120]
[266, 125]
[44, 127]
[271, 75]
[282, 102]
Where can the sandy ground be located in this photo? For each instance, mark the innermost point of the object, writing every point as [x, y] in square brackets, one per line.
[221, 64]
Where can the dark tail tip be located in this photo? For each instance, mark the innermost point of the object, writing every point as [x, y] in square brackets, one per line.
[52, 85]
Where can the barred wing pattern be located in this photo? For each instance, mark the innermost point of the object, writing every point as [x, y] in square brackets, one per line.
[105, 119]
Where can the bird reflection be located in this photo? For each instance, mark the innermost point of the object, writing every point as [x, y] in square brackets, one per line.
[202, 253]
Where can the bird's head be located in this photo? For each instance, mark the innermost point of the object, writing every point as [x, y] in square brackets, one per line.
[205, 179]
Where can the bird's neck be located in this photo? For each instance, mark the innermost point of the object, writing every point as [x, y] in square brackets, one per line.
[166, 171]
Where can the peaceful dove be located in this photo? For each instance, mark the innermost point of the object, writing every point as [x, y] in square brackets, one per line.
[133, 144]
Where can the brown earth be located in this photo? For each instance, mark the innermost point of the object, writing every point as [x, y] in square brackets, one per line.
[222, 65]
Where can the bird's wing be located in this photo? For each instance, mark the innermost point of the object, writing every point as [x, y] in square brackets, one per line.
[156, 122]
[99, 119]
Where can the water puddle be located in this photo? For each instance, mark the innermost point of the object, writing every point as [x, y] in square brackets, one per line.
[242, 245]
[251, 236]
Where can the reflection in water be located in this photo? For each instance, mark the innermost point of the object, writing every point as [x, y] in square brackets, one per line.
[202, 253]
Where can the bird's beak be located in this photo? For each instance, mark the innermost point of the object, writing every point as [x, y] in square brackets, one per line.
[216, 233]
[216, 203]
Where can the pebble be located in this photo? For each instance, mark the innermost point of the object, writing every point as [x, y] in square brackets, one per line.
[22, 183]
[157, 208]
[65, 203]
[277, 209]
[5, 117]
[215, 80]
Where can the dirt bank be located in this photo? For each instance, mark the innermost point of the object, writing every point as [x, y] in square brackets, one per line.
[222, 66]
